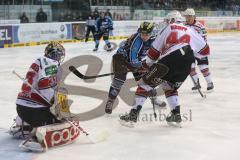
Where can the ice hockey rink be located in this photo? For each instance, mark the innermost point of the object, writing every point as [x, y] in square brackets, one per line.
[212, 133]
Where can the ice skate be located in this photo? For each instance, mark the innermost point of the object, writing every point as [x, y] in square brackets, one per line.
[130, 118]
[174, 118]
[108, 48]
[109, 106]
[95, 49]
[210, 87]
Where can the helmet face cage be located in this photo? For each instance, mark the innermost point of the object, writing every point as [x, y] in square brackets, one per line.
[146, 28]
[55, 51]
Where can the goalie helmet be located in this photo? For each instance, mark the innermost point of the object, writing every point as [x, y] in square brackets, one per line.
[174, 16]
[146, 27]
[55, 51]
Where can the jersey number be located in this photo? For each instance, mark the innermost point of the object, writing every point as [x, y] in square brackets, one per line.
[173, 38]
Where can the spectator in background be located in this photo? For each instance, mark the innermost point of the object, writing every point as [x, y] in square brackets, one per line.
[23, 18]
[96, 13]
[77, 16]
[61, 17]
[108, 13]
[41, 16]
[69, 16]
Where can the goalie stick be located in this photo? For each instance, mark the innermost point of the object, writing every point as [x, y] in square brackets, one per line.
[94, 139]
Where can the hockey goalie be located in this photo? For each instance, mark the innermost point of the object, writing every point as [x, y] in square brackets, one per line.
[36, 123]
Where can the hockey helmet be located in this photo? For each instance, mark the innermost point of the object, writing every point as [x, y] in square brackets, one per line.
[189, 12]
[174, 16]
[55, 51]
[146, 27]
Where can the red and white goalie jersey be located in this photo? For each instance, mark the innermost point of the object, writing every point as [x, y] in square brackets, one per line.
[174, 37]
[42, 75]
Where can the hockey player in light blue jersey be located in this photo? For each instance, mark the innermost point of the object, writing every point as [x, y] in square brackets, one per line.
[103, 26]
[132, 51]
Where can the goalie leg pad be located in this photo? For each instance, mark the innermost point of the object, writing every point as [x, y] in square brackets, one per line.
[52, 135]
[58, 134]
[156, 72]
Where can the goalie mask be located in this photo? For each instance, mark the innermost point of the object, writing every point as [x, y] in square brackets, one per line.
[55, 51]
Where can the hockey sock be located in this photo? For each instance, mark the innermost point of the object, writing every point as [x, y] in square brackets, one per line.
[172, 98]
[205, 71]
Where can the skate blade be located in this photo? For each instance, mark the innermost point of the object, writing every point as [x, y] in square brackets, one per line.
[174, 124]
[210, 91]
[126, 124]
[109, 50]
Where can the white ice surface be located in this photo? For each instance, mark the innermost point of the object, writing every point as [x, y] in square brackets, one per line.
[213, 133]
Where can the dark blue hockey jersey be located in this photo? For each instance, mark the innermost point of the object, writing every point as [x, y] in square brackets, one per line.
[104, 24]
[134, 49]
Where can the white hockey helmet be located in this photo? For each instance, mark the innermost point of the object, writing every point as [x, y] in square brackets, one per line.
[189, 12]
[174, 16]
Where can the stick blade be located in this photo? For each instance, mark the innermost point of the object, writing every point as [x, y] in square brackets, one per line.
[76, 72]
[99, 137]
[72, 68]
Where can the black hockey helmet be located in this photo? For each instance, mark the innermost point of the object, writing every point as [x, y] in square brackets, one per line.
[146, 27]
[55, 51]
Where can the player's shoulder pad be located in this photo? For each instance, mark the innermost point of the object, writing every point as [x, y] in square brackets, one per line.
[199, 24]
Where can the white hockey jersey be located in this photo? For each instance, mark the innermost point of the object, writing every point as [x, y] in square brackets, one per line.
[42, 75]
[200, 28]
[173, 37]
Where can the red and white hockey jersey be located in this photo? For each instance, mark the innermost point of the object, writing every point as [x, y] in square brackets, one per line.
[199, 28]
[42, 75]
[173, 37]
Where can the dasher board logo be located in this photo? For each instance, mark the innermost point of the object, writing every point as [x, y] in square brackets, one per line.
[5, 35]
[43, 32]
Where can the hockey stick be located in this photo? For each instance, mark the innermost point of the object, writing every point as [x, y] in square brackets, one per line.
[94, 139]
[199, 90]
[98, 138]
[44, 98]
[80, 75]
[154, 109]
